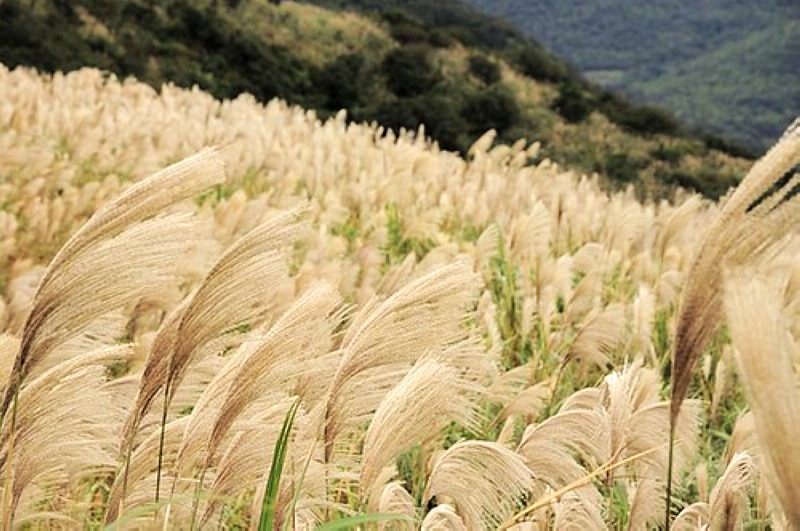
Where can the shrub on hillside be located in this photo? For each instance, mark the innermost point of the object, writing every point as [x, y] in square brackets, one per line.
[342, 81]
[644, 119]
[484, 69]
[410, 70]
[492, 108]
[573, 102]
[439, 114]
[621, 167]
[536, 63]
[408, 30]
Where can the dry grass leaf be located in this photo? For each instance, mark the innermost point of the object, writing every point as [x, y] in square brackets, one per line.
[485, 480]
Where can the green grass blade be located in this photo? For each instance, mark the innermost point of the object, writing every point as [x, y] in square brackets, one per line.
[267, 520]
[350, 522]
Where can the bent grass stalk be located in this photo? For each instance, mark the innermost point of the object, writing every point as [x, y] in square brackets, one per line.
[585, 480]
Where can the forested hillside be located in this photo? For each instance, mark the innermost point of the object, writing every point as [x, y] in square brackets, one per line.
[442, 68]
[731, 67]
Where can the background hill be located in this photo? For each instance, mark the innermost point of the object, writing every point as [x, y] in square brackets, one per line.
[728, 66]
[442, 66]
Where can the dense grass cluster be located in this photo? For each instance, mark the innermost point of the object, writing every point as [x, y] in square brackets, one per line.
[452, 343]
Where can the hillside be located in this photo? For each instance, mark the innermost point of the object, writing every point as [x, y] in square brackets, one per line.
[391, 69]
[318, 322]
[738, 60]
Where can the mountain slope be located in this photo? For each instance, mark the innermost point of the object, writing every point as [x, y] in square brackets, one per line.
[736, 87]
[736, 59]
[388, 68]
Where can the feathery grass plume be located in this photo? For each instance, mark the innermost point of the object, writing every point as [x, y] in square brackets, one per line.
[431, 395]
[646, 503]
[723, 381]
[644, 310]
[443, 518]
[694, 517]
[744, 438]
[244, 463]
[759, 332]
[155, 373]
[48, 324]
[396, 500]
[118, 269]
[244, 277]
[425, 315]
[485, 480]
[272, 359]
[640, 422]
[519, 399]
[673, 224]
[66, 425]
[729, 501]
[749, 229]
[586, 295]
[752, 222]
[9, 346]
[559, 449]
[574, 511]
[140, 472]
[620, 420]
[20, 291]
[297, 338]
[598, 336]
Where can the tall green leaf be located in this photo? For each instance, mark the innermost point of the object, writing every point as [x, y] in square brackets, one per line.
[267, 520]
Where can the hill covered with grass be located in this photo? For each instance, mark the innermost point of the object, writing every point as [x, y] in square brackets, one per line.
[737, 60]
[231, 314]
[438, 68]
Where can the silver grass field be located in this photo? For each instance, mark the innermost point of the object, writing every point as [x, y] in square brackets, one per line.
[220, 314]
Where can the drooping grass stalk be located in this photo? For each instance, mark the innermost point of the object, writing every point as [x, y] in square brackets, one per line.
[266, 521]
